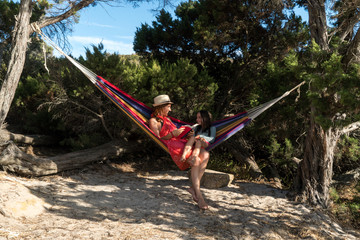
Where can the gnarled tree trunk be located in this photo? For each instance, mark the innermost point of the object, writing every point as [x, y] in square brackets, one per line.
[316, 170]
[17, 60]
[317, 23]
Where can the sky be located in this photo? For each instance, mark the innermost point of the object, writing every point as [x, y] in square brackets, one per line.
[115, 27]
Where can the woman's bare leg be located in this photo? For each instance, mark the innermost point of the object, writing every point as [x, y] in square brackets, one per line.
[205, 159]
[193, 194]
[195, 153]
[197, 171]
[187, 148]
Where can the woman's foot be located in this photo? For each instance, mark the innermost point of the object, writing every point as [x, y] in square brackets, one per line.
[183, 158]
[193, 194]
[202, 204]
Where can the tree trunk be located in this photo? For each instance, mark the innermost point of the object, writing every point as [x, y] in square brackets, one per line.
[14, 160]
[352, 53]
[17, 60]
[317, 23]
[316, 170]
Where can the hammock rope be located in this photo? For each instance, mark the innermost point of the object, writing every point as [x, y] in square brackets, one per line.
[140, 113]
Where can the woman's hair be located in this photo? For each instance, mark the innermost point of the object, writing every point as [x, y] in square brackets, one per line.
[206, 119]
[158, 110]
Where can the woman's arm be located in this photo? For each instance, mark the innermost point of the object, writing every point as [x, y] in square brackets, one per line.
[213, 134]
[154, 126]
[209, 138]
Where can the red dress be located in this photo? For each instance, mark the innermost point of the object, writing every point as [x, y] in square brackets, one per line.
[175, 145]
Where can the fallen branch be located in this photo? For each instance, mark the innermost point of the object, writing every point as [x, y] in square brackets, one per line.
[14, 160]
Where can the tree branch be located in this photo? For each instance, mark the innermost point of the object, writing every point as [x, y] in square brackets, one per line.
[351, 127]
[51, 20]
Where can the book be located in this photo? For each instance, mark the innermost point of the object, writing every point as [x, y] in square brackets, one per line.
[187, 130]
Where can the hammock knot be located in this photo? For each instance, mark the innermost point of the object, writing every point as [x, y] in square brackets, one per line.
[35, 28]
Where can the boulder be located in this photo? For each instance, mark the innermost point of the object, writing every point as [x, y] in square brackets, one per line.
[215, 179]
[17, 200]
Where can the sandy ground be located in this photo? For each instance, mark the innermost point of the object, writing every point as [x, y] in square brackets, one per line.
[106, 203]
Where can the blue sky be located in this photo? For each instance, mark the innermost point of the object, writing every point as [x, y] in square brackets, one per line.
[114, 26]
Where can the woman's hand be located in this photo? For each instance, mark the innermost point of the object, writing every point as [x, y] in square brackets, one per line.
[204, 143]
[177, 132]
[189, 135]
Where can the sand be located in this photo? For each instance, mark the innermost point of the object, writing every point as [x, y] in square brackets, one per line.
[104, 202]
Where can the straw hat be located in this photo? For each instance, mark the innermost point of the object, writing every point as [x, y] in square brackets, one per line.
[161, 100]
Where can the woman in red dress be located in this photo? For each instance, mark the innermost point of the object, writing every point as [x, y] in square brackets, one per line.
[163, 127]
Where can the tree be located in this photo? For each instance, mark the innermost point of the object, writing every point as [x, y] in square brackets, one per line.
[334, 95]
[21, 34]
[57, 19]
[234, 40]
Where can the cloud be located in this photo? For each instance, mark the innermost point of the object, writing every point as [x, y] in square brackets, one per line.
[120, 47]
[100, 25]
[125, 37]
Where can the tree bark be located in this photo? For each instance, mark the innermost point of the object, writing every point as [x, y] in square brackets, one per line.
[317, 23]
[14, 160]
[316, 170]
[76, 7]
[352, 53]
[17, 60]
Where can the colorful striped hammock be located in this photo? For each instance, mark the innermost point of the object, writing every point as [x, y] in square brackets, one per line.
[140, 113]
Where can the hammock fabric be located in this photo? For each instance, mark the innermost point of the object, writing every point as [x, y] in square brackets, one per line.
[140, 113]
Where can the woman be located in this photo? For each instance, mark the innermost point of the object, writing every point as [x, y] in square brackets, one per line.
[162, 126]
[204, 135]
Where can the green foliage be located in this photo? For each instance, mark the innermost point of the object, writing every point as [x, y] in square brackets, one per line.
[350, 148]
[222, 161]
[347, 155]
[233, 40]
[333, 90]
[8, 9]
[213, 30]
[76, 109]
[280, 157]
[28, 89]
[334, 195]
[346, 205]
[189, 88]
[84, 141]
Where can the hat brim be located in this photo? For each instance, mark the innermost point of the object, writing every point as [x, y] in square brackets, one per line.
[160, 104]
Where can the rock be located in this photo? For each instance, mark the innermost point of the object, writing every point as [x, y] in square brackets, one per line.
[17, 201]
[214, 179]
